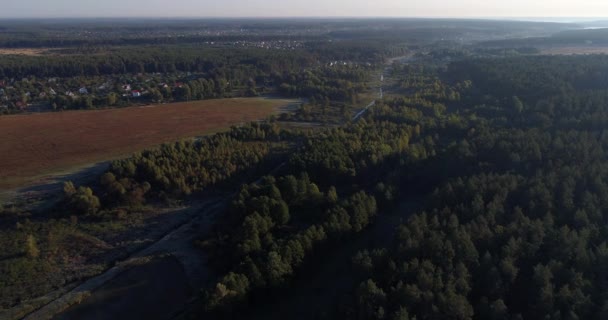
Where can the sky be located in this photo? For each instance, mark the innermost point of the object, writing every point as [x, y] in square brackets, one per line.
[298, 8]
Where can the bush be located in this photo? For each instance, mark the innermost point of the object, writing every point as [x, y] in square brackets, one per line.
[82, 200]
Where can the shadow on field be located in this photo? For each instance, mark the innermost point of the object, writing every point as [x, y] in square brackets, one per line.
[37, 194]
[55, 182]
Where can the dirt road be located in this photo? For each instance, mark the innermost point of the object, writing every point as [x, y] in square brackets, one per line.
[162, 278]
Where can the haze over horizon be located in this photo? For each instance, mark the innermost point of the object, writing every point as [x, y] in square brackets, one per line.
[526, 9]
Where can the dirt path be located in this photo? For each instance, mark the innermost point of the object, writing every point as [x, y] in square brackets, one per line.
[401, 59]
[99, 293]
[138, 286]
[383, 77]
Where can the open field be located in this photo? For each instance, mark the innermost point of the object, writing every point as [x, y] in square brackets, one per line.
[25, 51]
[38, 144]
[573, 50]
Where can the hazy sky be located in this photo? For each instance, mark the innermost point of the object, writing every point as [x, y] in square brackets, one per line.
[308, 8]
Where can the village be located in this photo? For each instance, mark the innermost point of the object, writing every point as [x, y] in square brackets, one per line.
[37, 94]
[52, 94]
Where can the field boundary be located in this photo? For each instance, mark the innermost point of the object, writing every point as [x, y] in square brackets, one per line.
[40, 145]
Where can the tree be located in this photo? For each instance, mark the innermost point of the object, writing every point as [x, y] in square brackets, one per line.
[233, 288]
[498, 310]
[518, 105]
[31, 248]
[167, 93]
[280, 213]
[277, 270]
[112, 99]
[87, 102]
[236, 283]
[251, 88]
[155, 95]
[289, 188]
[332, 195]
[68, 189]
[81, 200]
[184, 93]
[401, 314]
[326, 103]
[371, 300]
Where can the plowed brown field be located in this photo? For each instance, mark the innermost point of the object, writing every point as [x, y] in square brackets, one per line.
[37, 144]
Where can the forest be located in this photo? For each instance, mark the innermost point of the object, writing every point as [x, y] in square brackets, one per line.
[512, 175]
[474, 188]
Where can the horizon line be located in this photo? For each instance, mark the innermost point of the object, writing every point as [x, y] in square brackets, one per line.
[312, 17]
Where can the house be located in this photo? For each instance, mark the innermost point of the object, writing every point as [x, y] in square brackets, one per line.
[126, 87]
[163, 85]
[42, 94]
[69, 93]
[136, 93]
[52, 92]
[83, 90]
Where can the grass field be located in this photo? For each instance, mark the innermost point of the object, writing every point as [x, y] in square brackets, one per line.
[34, 145]
[24, 51]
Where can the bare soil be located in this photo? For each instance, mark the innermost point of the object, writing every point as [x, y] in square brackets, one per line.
[36, 145]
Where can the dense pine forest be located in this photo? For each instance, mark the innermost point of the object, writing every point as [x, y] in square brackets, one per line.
[474, 188]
